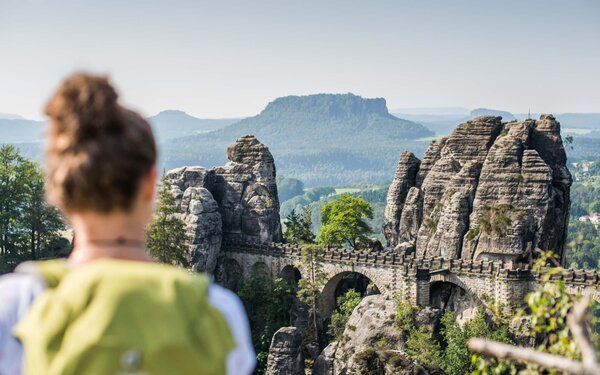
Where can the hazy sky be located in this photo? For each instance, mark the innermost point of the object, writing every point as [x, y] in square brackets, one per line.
[230, 58]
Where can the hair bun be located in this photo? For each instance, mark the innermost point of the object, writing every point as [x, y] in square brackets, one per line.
[84, 107]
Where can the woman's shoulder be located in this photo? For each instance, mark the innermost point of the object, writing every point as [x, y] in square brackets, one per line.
[17, 291]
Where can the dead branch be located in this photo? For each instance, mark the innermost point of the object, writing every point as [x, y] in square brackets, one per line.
[505, 351]
[577, 322]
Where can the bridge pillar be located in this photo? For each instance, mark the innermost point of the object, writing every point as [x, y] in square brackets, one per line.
[423, 276]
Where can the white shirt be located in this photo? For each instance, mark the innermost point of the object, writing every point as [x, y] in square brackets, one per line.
[18, 290]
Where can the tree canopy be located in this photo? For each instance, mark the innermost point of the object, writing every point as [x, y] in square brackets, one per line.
[344, 221]
[30, 229]
[298, 226]
[166, 238]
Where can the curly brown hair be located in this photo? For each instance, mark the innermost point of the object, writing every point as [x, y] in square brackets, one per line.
[97, 151]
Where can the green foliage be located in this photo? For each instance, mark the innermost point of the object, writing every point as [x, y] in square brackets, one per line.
[267, 304]
[323, 140]
[405, 317]
[29, 227]
[472, 233]
[583, 238]
[456, 359]
[297, 226]
[548, 307]
[495, 219]
[424, 348]
[312, 282]
[166, 238]
[288, 188]
[345, 305]
[448, 350]
[344, 221]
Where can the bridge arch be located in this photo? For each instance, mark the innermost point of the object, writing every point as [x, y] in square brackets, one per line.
[448, 292]
[291, 275]
[230, 274]
[335, 287]
[261, 269]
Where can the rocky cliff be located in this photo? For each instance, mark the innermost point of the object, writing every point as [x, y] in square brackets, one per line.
[236, 201]
[490, 190]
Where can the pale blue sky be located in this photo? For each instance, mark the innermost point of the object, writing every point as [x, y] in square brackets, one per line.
[230, 58]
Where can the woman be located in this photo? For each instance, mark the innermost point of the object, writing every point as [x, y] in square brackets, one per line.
[109, 309]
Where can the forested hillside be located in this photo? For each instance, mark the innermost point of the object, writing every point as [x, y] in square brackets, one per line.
[321, 139]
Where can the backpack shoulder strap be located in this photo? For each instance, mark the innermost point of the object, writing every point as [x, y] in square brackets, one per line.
[50, 272]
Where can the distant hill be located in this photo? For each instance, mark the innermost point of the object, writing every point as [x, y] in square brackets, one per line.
[174, 124]
[20, 130]
[506, 116]
[10, 116]
[166, 125]
[431, 111]
[333, 137]
[580, 120]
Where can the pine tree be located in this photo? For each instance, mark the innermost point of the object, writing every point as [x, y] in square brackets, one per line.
[166, 238]
[309, 287]
[41, 221]
[297, 226]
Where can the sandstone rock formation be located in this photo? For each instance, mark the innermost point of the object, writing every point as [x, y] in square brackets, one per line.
[201, 214]
[236, 201]
[371, 339]
[246, 191]
[285, 353]
[490, 190]
[404, 179]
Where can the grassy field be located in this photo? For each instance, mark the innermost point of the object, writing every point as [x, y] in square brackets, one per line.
[346, 190]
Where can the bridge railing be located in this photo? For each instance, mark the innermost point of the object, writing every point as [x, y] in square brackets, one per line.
[408, 262]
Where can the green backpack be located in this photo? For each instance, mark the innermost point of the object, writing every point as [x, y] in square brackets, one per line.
[122, 317]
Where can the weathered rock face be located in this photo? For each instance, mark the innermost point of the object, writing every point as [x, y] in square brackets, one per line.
[404, 179]
[236, 201]
[201, 214]
[285, 353]
[372, 343]
[246, 191]
[487, 191]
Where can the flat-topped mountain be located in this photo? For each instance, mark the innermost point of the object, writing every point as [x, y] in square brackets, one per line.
[321, 117]
[337, 134]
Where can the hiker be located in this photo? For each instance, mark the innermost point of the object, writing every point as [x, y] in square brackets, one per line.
[108, 308]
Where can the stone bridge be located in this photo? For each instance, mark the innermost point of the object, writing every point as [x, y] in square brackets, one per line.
[405, 276]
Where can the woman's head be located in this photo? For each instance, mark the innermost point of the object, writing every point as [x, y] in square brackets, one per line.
[99, 155]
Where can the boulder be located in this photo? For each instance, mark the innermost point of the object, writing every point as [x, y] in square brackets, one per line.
[371, 343]
[285, 354]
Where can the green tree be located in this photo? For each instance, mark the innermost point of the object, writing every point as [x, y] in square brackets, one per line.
[548, 307]
[310, 286]
[29, 227]
[42, 221]
[424, 348]
[289, 188]
[344, 221]
[297, 226]
[166, 238]
[345, 305]
[267, 304]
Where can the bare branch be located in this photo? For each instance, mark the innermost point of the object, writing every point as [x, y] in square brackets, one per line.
[577, 322]
[516, 353]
